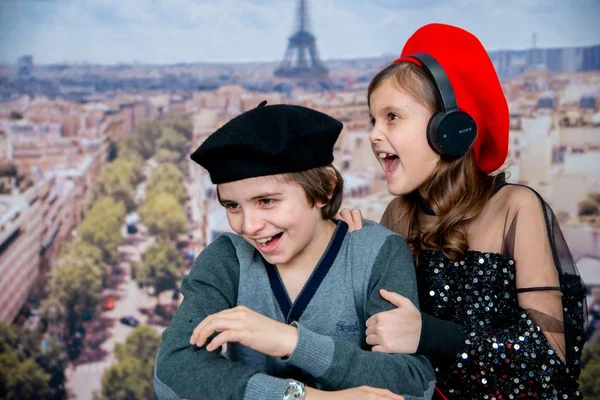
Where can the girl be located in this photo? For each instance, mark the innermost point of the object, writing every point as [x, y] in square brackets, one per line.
[502, 304]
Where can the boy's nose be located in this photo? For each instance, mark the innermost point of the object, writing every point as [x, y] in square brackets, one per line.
[252, 224]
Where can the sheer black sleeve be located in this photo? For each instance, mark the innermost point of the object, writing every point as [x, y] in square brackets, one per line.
[549, 286]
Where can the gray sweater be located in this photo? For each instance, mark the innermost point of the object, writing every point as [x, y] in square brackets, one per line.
[331, 353]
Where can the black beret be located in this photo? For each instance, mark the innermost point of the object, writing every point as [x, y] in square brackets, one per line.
[269, 140]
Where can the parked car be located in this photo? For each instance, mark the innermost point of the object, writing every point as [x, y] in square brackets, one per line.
[109, 303]
[129, 320]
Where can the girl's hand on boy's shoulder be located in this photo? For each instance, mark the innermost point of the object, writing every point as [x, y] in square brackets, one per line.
[352, 217]
[247, 327]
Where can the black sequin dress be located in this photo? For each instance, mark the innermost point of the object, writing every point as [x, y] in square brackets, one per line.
[500, 352]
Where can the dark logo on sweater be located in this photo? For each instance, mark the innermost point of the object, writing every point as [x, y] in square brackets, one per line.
[344, 327]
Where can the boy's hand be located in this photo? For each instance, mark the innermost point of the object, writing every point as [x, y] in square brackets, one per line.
[247, 327]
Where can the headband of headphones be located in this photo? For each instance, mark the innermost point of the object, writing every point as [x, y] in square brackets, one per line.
[440, 80]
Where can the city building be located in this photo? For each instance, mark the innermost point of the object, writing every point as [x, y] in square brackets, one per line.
[20, 243]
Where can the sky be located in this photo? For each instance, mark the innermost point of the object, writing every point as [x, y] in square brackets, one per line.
[188, 31]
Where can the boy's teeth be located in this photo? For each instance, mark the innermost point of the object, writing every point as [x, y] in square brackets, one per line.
[264, 240]
[385, 155]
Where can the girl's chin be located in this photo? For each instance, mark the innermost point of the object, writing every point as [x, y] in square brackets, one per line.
[399, 188]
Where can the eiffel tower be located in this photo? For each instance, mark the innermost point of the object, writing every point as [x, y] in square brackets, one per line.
[302, 60]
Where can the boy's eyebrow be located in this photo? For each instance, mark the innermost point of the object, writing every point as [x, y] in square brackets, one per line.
[260, 196]
[263, 195]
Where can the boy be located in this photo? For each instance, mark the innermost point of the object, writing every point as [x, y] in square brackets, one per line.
[291, 291]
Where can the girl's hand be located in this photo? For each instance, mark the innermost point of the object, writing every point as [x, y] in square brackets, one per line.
[254, 330]
[352, 217]
[395, 331]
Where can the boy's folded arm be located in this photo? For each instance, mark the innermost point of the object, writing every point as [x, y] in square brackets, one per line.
[185, 371]
[338, 364]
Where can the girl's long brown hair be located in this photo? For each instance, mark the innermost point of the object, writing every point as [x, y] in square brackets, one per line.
[456, 191]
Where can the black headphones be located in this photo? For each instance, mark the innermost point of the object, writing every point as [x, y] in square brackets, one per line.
[450, 131]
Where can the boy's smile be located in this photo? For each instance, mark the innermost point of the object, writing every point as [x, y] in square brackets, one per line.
[275, 217]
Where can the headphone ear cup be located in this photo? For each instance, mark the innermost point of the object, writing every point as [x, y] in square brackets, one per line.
[451, 133]
[433, 131]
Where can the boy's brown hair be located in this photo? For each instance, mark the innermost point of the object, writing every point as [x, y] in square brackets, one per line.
[321, 184]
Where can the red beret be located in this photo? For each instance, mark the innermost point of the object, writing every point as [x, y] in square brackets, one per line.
[475, 83]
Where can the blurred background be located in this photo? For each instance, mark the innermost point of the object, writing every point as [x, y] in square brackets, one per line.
[101, 101]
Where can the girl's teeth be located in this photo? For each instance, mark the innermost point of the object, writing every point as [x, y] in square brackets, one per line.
[264, 240]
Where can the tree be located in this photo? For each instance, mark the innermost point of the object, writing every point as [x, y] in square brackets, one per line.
[166, 156]
[167, 179]
[132, 376]
[173, 188]
[49, 352]
[31, 362]
[115, 184]
[9, 337]
[76, 286]
[166, 171]
[101, 227]
[183, 126]
[144, 138]
[119, 180]
[55, 315]
[162, 267]
[124, 381]
[22, 379]
[142, 343]
[164, 216]
[126, 151]
[133, 167]
[590, 373]
[174, 141]
[80, 252]
[590, 381]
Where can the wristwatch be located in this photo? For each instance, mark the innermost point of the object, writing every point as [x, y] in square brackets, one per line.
[294, 391]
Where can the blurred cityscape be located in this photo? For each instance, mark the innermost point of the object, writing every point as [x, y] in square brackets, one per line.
[102, 214]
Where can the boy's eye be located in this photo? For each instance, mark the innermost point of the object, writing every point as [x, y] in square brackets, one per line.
[372, 121]
[231, 206]
[266, 202]
[392, 116]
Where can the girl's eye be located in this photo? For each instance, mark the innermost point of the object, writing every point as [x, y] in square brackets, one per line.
[372, 121]
[392, 116]
[267, 202]
[231, 206]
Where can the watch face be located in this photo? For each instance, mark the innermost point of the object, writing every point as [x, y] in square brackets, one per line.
[294, 391]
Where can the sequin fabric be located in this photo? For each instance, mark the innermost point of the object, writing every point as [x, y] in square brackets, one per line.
[505, 355]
